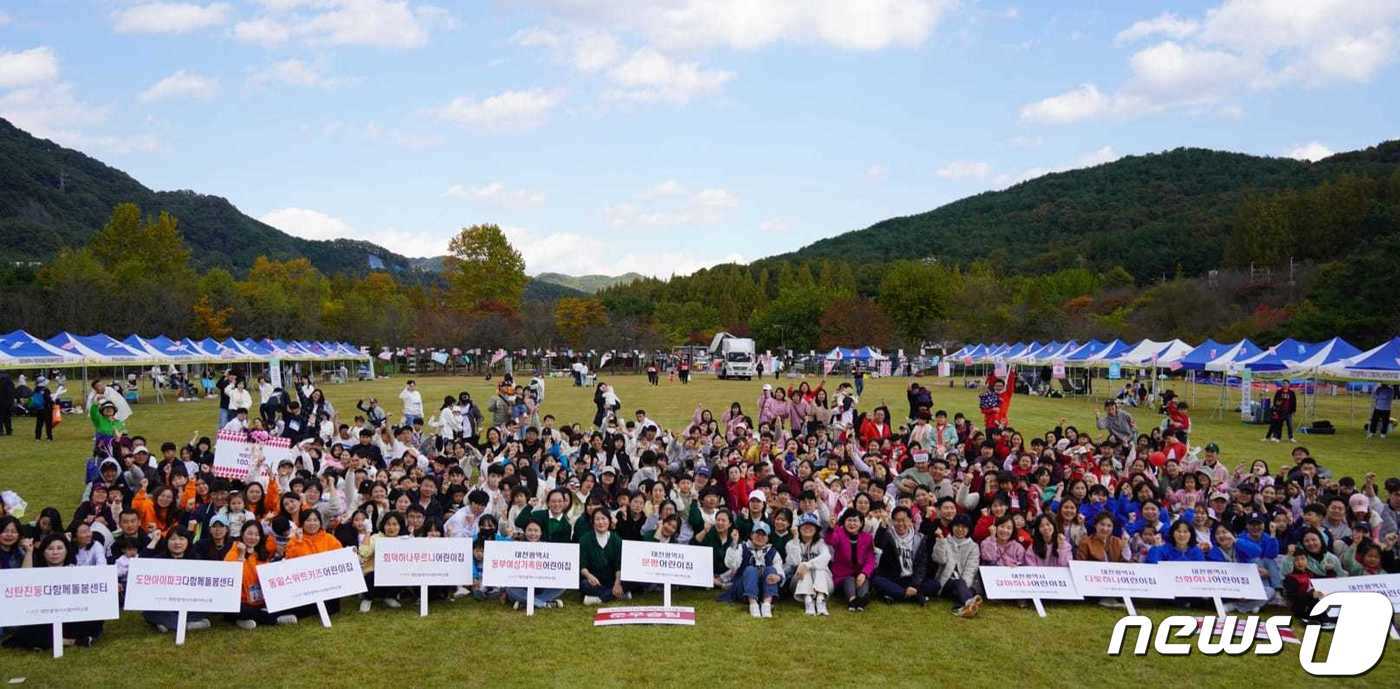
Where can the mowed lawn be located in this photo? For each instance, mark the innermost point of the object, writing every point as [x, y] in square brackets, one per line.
[485, 644]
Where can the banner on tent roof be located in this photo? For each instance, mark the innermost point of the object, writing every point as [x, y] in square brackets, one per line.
[233, 454]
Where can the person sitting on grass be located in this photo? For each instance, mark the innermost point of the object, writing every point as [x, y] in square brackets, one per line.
[758, 571]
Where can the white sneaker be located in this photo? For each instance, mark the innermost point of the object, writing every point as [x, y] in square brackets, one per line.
[766, 609]
[1274, 439]
[592, 600]
[287, 619]
[197, 624]
[810, 605]
[365, 605]
[515, 605]
[1292, 440]
[392, 603]
[461, 592]
[163, 629]
[626, 595]
[821, 607]
[754, 610]
[557, 603]
[246, 624]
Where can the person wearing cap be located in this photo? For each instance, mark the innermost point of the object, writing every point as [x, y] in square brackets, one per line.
[758, 571]
[216, 541]
[756, 513]
[953, 561]
[809, 565]
[919, 469]
[852, 559]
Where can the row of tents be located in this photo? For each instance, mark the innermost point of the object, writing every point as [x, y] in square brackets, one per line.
[20, 349]
[1332, 359]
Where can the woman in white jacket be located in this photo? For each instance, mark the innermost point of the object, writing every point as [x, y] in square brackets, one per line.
[809, 565]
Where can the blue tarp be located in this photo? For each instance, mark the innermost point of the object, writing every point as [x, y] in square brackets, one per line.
[1383, 358]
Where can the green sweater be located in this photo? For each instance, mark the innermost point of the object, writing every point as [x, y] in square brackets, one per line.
[102, 424]
[720, 545]
[556, 530]
[603, 562]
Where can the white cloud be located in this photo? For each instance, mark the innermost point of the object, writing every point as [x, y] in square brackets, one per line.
[181, 84]
[263, 30]
[293, 73]
[576, 254]
[776, 225]
[1237, 48]
[26, 67]
[1164, 24]
[307, 223]
[669, 204]
[170, 17]
[377, 23]
[50, 111]
[508, 110]
[648, 77]
[586, 50]
[748, 25]
[876, 171]
[1071, 106]
[1311, 151]
[372, 132]
[965, 169]
[496, 194]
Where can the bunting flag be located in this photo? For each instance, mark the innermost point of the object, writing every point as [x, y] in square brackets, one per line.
[386, 355]
[499, 355]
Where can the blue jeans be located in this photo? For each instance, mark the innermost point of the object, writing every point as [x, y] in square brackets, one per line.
[752, 579]
[543, 597]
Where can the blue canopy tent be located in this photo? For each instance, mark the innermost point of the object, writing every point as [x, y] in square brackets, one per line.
[1084, 351]
[1277, 360]
[97, 349]
[180, 351]
[141, 344]
[1327, 353]
[1381, 364]
[19, 349]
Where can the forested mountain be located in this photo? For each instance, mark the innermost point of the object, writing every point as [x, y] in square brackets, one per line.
[1170, 211]
[588, 284]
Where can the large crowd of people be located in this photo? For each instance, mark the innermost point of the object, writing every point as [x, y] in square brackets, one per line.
[811, 495]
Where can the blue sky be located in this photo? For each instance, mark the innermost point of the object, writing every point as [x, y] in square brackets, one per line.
[665, 135]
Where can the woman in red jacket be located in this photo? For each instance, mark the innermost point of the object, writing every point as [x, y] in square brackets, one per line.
[852, 559]
[875, 427]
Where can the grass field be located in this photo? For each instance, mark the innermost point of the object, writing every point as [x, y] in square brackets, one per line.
[488, 645]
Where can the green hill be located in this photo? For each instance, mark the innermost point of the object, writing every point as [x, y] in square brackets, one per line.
[1151, 213]
[588, 284]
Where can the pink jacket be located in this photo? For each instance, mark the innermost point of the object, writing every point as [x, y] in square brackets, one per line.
[1010, 555]
[842, 566]
[1059, 557]
[771, 409]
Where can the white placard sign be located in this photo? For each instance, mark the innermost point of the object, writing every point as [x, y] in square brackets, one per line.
[1225, 580]
[233, 454]
[530, 565]
[668, 563]
[1120, 579]
[54, 595]
[311, 579]
[1020, 583]
[50, 595]
[1386, 584]
[193, 585]
[423, 562]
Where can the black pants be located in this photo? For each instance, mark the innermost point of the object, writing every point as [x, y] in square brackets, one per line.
[956, 589]
[7, 426]
[248, 612]
[1380, 421]
[41, 635]
[43, 423]
[1275, 426]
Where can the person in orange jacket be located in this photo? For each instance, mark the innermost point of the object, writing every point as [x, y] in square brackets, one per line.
[254, 547]
[312, 538]
[161, 512]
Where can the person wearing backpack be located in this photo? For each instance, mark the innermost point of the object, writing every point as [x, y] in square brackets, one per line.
[41, 405]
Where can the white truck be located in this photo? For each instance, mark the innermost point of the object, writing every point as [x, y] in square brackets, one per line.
[736, 355]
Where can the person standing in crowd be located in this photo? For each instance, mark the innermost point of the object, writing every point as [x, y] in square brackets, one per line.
[1381, 401]
[42, 405]
[225, 383]
[858, 375]
[1285, 403]
[7, 404]
[412, 403]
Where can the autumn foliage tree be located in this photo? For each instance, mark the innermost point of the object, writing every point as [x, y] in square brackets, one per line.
[855, 322]
[573, 318]
[482, 267]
